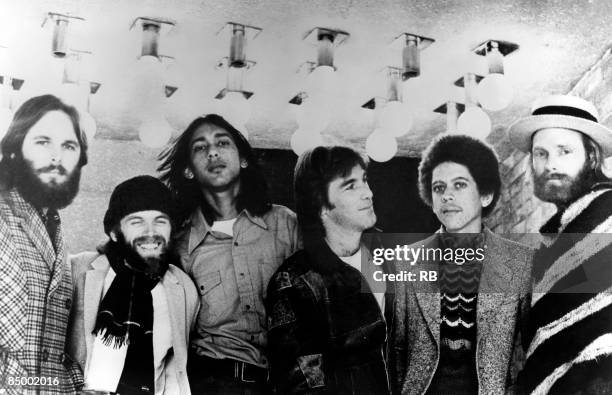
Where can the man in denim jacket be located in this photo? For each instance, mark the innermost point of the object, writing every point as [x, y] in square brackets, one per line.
[327, 330]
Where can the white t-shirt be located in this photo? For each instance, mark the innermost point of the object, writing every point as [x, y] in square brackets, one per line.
[355, 261]
[226, 226]
[104, 368]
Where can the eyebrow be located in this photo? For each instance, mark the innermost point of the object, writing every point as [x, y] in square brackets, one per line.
[216, 135]
[47, 138]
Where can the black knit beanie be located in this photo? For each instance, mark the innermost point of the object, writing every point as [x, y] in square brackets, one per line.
[138, 194]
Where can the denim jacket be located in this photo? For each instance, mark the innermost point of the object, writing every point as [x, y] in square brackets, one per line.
[326, 330]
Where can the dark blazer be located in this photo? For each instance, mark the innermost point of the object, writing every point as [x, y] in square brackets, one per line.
[502, 299]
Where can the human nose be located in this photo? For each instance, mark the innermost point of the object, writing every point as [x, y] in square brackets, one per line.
[447, 196]
[213, 153]
[552, 163]
[367, 192]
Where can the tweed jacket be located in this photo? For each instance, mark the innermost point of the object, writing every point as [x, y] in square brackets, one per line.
[502, 295]
[35, 301]
[89, 271]
[569, 332]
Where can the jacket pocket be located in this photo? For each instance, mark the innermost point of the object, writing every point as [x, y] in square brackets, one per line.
[212, 297]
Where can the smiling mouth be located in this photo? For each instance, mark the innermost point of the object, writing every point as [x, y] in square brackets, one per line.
[149, 246]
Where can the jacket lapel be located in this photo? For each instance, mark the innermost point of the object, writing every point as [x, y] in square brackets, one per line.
[94, 284]
[495, 291]
[32, 225]
[177, 309]
[428, 295]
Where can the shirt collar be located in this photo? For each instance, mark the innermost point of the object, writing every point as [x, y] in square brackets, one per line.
[199, 228]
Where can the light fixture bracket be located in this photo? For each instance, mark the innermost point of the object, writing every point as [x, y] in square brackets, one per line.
[93, 87]
[298, 99]
[223, 92]
[54, 16]
[461, 82]
[16, 83]
[251, 32]
[165, 24]
[505, 47]
[422, 41]
[313, 35]
[443, 109]
[223, 63]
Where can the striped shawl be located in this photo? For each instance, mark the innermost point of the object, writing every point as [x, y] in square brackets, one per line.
[570, 327]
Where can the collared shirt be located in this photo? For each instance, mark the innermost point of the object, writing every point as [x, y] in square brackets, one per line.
[231, 275]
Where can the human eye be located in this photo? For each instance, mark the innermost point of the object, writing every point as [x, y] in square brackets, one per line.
[460, 184]
[350, 186]
[438, 188]
[163, 221]
[70, 146]
[565, 151]
[223, 143]
[539, 154]
[198, 147]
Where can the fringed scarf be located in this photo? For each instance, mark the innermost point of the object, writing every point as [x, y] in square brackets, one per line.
[125, 315]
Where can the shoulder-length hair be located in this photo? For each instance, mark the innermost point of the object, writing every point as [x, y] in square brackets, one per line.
[253, 195]
[30, 112]
[314, 171]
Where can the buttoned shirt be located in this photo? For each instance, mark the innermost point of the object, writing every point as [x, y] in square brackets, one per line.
[231, 274]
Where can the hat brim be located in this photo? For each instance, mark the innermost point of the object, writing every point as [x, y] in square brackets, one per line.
[521, 131]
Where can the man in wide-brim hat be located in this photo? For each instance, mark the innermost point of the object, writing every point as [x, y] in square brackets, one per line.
[569, 330]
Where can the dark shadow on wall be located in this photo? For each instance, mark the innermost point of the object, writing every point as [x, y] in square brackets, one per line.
[394, 184]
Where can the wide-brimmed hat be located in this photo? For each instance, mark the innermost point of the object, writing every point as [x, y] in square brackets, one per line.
[561, 111]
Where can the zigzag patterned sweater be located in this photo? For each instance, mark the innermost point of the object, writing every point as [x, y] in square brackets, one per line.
[570, 326]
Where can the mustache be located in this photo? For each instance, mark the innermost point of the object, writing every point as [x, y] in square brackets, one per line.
[554, 176]
[60, 169]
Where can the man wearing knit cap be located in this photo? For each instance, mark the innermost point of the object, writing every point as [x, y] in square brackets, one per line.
[569, 331]
[134, 308]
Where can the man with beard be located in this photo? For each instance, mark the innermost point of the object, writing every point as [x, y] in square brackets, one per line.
[42, 155]
[232, 242]
[569, 331]
[134, 308]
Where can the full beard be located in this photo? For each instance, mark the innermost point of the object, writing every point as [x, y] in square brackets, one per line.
[41, 194]
[570, 188]
[154, 266]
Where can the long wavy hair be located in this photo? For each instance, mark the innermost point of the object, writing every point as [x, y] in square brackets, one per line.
[30, 112]
[253, 194]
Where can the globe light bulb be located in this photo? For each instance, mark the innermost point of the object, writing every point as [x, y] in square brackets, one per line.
[313, 116]
[381, 145]
[303, 140]
[474, 122]
[6, 117]
[321, 82]
[395, 118]
[495, 92]
[236, 109]
[155, 131]
[88, 125]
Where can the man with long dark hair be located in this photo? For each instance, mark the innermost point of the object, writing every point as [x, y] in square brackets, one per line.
[42, 155]
[233, 241]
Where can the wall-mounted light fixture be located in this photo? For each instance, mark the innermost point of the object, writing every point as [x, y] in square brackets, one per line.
[473, 121]
[76, 90]
[412, 45]
[60, 40]
[315, 101]
[452, 109]
[235, 106]
[495, 91]
[154, 130]
[8, 87]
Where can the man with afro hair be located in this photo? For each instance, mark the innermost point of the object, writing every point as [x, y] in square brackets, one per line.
[456, 334]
